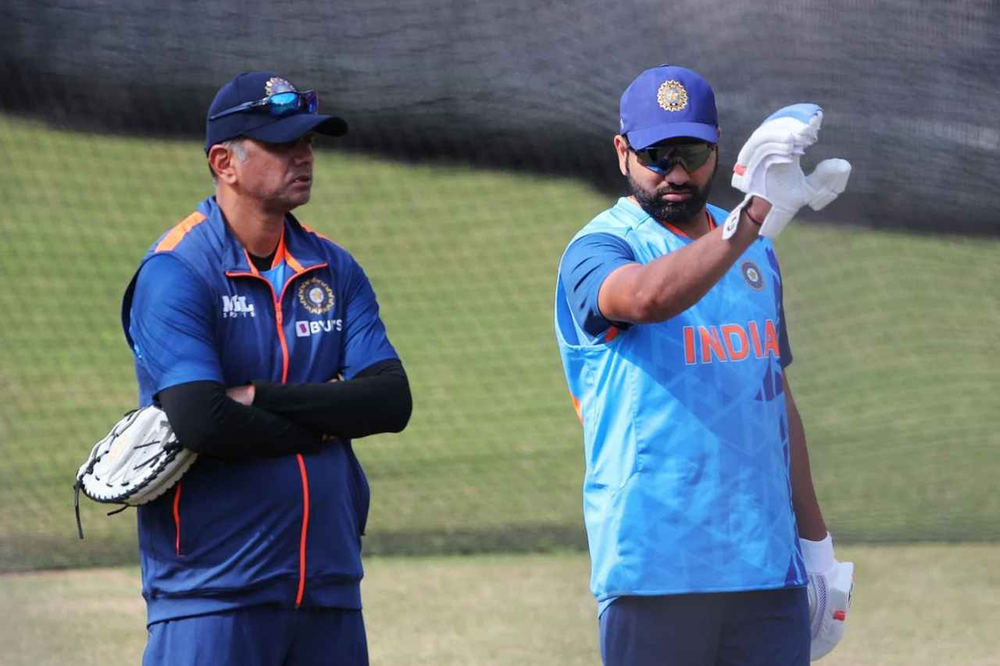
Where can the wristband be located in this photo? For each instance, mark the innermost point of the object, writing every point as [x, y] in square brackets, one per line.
[818, 555]
[746, 209]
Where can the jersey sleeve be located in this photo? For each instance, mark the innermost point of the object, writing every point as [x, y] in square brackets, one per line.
[172, 325]
[586, 264]
[365, 339]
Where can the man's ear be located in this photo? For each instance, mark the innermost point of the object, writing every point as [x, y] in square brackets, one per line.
[221, 161]
[621, 149]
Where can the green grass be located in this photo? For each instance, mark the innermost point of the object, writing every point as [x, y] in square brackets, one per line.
[894, 337]
[916, 605]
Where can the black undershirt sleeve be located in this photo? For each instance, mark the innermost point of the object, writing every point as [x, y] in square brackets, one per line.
[376, 400]
[209, 422]
[288, 418]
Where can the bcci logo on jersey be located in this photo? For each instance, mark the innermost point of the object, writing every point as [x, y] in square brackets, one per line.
[237, 306]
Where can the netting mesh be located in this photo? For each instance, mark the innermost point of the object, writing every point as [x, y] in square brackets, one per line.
[480, 143]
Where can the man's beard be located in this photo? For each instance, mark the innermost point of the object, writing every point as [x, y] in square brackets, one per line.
[677, 213]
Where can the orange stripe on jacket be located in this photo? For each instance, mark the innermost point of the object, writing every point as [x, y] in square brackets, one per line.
[305, 529]
[282, 254]
[315, 233]
[253, 268]
[175, 235]
[177, 517]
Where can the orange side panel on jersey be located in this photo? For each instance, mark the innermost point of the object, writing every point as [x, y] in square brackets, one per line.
[177, 518]
[305, 530]
[175, 235]
[577, 407]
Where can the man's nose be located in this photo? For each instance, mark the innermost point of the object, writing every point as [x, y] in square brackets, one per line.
[677, 175]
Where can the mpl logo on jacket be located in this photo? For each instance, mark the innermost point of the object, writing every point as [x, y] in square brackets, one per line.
[237, 306]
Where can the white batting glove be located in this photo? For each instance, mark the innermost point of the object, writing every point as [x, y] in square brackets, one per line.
[768, 167]
[830, 586]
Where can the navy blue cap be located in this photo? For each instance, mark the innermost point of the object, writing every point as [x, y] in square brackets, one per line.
[666, 102]
[253, 86]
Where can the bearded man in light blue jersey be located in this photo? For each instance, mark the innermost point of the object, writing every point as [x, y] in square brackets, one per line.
[707, 542]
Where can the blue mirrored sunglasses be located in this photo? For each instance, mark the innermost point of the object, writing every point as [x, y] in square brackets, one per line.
[278, 104]
[661, 159]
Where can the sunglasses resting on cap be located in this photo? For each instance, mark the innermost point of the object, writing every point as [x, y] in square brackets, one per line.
[277, 105]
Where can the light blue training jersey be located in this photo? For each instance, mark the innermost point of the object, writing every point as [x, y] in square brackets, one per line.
[687, 486]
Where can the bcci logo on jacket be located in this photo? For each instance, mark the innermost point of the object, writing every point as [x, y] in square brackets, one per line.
[237, 306]
[316, 296]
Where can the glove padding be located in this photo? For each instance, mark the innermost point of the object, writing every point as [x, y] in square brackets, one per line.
[830, 586]
[139, 460]
[768, 167]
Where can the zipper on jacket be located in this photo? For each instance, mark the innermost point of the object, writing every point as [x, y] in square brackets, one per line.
[279, 324]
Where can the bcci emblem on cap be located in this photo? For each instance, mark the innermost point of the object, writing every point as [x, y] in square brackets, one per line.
[316, 296]
[276, 84]
[672, 96]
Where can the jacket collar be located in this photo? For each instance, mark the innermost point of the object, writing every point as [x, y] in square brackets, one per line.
[300, 249]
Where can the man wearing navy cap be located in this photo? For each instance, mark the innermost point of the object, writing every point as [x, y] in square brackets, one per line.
[707, 543]
[262, 342]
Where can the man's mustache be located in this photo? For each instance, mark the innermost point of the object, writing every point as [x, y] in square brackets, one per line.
[677, 189]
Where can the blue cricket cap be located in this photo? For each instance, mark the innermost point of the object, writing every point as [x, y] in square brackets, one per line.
[666, 102]
[258, 124]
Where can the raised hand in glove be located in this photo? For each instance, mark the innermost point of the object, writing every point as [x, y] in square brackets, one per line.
[768, 167]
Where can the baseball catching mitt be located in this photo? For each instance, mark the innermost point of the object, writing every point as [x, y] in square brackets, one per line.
[139, 460]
